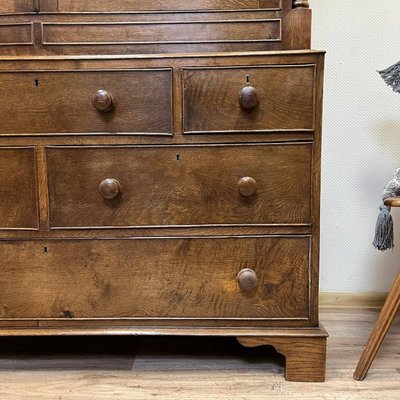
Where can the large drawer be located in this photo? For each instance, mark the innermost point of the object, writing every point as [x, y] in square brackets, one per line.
[96, 101]
[138, 186]
[275, 97]
[159, 278]
[18, 204]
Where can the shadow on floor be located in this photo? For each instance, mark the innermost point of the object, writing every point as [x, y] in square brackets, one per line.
[150, 353]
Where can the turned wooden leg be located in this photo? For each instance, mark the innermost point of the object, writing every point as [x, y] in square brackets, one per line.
[305, 356]
[381, 327]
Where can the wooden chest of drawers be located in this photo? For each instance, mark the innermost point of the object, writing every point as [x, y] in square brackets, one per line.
[162, 193]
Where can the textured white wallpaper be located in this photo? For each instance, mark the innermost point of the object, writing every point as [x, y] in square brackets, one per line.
[361, 139]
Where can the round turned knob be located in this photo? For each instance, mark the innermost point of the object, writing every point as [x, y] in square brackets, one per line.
[102, 101]
[247, 186]
[247, 279]
[109, 188]
[249, 97]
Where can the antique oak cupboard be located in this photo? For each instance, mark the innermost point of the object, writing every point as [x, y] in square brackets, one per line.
[160, 171]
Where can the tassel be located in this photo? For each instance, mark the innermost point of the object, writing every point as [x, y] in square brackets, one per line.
[384, 230]
[391, 76]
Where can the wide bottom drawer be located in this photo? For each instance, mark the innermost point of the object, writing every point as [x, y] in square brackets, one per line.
[157, 278]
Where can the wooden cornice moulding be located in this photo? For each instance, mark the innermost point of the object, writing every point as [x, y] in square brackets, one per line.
[301, 4]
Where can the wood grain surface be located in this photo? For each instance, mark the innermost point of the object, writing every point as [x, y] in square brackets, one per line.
[155, 278]
[183, 185]
[157, 5]
[211, 99]
[17, 6]
[18, 192]
[37, 100]
[223, 149]
[16, 34]
[305, 357]
[171, 32]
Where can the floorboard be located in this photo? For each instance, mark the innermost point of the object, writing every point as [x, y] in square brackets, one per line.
[69, 368]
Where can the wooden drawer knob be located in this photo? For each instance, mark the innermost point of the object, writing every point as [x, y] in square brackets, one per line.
[247, 186]
[102, 101]
[249, 97]
[109, 188]
[247, 279]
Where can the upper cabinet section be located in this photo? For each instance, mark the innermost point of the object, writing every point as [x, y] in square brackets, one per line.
[64, 27]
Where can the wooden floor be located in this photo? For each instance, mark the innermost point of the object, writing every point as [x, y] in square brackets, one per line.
[194, 368]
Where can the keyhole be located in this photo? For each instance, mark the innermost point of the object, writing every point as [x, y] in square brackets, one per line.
[37, 82]
[247, 79]
[178, 157]
[45, 249]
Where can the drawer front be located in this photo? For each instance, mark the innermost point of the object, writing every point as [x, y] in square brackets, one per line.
[165, 32]
[18, 205]
[17, 6]
[163, 278]
[154, 5]
[273, 98]
[179, 185]
[97, 102]
[15, 34]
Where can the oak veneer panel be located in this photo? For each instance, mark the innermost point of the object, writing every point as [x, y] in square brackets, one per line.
[36, 101]
[211, 99]
[18, 205]
[17, 6]
[159, 5]
[185, 185]
[16, 34]
[166, 32]
[155, 278]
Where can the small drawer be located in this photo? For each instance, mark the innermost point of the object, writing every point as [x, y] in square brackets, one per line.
[155, 5]
[220, 278]
[15, 34]
[18, 205]
[17, 6]
[87, 102]
[94, 187]
[253, 99]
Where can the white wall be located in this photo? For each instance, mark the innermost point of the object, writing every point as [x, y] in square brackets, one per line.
[361, 139]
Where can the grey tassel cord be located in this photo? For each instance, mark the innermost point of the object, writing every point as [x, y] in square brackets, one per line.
[384, 237]
[384, 230]
[384, 225]
[391, 76]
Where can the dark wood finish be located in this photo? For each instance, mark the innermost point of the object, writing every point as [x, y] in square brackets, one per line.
[128, 26]
[102, 101]
[157, 5]
[305, 356]
[16, 34]
[109, 188]
[18, 205]
[249, 97]
[173, 183]
[286, 99]
[247, 279]
[188, 185]
[301, 4]
[297, 29]
[160, 33]
[247, 186]
[381, 328]
[392, 202]
[54, 94]
[151, 278]
[18, 6]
